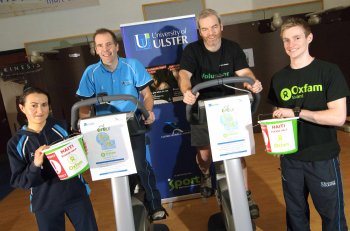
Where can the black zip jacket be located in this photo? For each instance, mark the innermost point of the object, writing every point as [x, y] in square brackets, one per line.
[47, 190]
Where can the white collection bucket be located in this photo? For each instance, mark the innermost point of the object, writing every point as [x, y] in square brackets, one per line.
[280, 135]
[68, 157]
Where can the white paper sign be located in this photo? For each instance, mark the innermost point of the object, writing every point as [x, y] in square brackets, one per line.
[108, 146]
[249, 56]
[230, 127]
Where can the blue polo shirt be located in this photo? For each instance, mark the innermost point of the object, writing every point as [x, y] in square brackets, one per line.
[129, 77]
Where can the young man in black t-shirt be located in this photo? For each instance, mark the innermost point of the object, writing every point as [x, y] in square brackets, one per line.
[315, 91]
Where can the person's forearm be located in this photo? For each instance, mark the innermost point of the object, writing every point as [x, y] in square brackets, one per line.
[246, 72]
[184, 82]
[326, 117]
[251, 75]
[147, 99]
[335, 115]
[148, 103]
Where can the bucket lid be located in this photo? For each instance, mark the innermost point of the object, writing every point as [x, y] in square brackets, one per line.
[277, 120]
[61, 143]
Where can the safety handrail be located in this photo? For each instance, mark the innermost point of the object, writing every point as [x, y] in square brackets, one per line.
[221, 81]
[104, 99]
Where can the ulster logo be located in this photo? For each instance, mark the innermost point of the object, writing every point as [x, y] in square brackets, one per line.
[143, 41]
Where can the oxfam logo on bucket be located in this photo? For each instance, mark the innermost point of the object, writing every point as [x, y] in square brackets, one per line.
[72, 159]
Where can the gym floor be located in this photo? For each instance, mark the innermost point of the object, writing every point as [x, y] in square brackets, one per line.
[191, 215]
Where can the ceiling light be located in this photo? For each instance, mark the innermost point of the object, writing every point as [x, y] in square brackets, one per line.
[92, 48]
[314, 19]
[276, 21]
[36, 57]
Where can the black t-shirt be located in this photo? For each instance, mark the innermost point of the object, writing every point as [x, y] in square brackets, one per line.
[206, 65]
[311, 88]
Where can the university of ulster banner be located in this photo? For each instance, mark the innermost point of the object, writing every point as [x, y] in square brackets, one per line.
[158, 45]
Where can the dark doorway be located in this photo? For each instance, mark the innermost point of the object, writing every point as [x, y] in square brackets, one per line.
[5, 172]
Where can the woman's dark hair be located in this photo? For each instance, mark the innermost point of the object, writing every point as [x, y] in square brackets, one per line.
[30, 90]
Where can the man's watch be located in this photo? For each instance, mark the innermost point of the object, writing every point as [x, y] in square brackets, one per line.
[296, 111]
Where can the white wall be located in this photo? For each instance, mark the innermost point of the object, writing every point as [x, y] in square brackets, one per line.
[15, 31]
[335, 3]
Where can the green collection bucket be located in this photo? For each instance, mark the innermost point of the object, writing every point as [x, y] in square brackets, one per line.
[68, 157]
[280, 135]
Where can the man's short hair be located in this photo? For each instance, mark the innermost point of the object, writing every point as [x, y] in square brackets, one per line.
[206, 13]
[105, 31]
[294, 21]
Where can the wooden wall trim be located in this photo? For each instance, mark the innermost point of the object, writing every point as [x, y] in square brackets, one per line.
[274, 7]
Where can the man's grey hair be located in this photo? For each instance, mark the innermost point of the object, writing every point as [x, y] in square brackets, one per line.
[206, 13]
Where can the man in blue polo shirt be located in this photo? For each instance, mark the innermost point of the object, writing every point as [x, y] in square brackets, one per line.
[114, 75]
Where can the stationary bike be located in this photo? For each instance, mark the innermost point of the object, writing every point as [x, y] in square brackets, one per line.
[130, 212]
[231, 193]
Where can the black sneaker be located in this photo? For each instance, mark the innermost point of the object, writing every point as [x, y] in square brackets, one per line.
[253, 207]
[159, 214]
[206, 186]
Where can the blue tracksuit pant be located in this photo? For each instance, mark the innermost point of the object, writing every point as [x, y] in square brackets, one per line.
[80, 213]
[145, 173]
[322, 180]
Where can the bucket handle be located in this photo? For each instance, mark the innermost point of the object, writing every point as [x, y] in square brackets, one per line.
[64, 138]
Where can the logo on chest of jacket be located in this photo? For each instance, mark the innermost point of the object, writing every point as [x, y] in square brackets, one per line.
[126, 82]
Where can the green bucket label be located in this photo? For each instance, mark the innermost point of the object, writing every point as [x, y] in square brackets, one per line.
[68, 158]
[280, 135]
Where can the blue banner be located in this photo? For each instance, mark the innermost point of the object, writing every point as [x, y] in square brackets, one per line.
[159, 42]
[172, 157]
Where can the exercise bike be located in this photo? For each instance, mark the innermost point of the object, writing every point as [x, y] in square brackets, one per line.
[231, 193]
[130, 212]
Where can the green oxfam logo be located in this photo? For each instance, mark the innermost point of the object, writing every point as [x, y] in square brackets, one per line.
[297, 92]
[286, 94]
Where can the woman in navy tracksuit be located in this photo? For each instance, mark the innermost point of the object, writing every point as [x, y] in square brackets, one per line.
[50, 197]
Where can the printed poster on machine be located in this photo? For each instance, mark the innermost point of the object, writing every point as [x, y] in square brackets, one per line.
[230, 127]
[108, 146]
